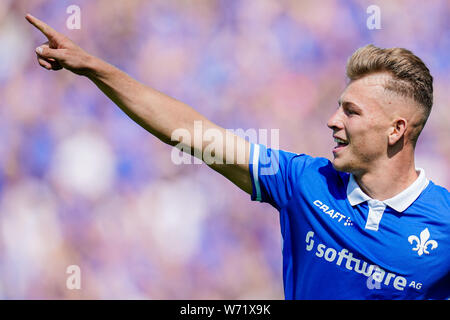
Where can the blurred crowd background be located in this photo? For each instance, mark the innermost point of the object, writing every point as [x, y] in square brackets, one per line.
[81, 184]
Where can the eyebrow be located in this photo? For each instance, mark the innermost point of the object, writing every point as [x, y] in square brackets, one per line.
[340, 102]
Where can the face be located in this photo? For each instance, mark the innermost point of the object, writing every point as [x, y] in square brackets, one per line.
[362, 124]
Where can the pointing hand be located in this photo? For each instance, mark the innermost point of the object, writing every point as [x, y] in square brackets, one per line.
[59, 51]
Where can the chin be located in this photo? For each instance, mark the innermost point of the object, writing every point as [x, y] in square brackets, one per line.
[339, 165]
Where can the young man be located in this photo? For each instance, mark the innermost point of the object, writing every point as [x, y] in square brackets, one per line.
[366, 225]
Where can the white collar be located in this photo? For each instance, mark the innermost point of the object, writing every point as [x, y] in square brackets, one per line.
[399, 202]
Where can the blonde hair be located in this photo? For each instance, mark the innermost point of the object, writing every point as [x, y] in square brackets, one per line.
[410, 76]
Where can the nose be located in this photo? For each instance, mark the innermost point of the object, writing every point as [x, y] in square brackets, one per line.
[335, 122]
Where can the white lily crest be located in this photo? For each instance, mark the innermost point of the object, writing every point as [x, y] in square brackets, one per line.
[423, 243]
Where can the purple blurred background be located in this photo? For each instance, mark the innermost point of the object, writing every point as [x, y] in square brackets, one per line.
[82, 184]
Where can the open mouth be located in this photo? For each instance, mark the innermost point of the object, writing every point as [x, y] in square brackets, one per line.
[340, 144]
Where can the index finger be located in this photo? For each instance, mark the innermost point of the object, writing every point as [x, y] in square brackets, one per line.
[48, 31]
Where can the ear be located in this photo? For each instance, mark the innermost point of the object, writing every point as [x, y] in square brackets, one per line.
[397, 130]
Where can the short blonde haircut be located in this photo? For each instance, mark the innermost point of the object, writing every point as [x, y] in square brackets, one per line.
[410, 76]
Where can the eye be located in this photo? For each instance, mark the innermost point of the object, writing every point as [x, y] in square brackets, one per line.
[350, 111]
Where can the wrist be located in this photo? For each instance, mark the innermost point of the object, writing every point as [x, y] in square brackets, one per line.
[93, 67]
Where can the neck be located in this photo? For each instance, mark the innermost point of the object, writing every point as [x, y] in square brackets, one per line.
[387, 180]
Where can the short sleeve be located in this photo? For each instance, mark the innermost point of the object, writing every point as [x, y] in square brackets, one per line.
[274, 174]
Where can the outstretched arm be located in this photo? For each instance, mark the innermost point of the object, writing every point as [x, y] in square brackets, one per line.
[156, 112]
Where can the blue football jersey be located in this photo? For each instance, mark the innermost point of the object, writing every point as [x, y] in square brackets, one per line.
[338, 243]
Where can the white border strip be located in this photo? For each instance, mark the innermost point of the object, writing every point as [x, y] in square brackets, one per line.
[255, 161]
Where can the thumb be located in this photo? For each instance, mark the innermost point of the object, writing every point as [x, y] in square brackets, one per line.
[46, 52]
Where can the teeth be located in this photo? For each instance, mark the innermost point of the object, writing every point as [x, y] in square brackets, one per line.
[339, 140]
